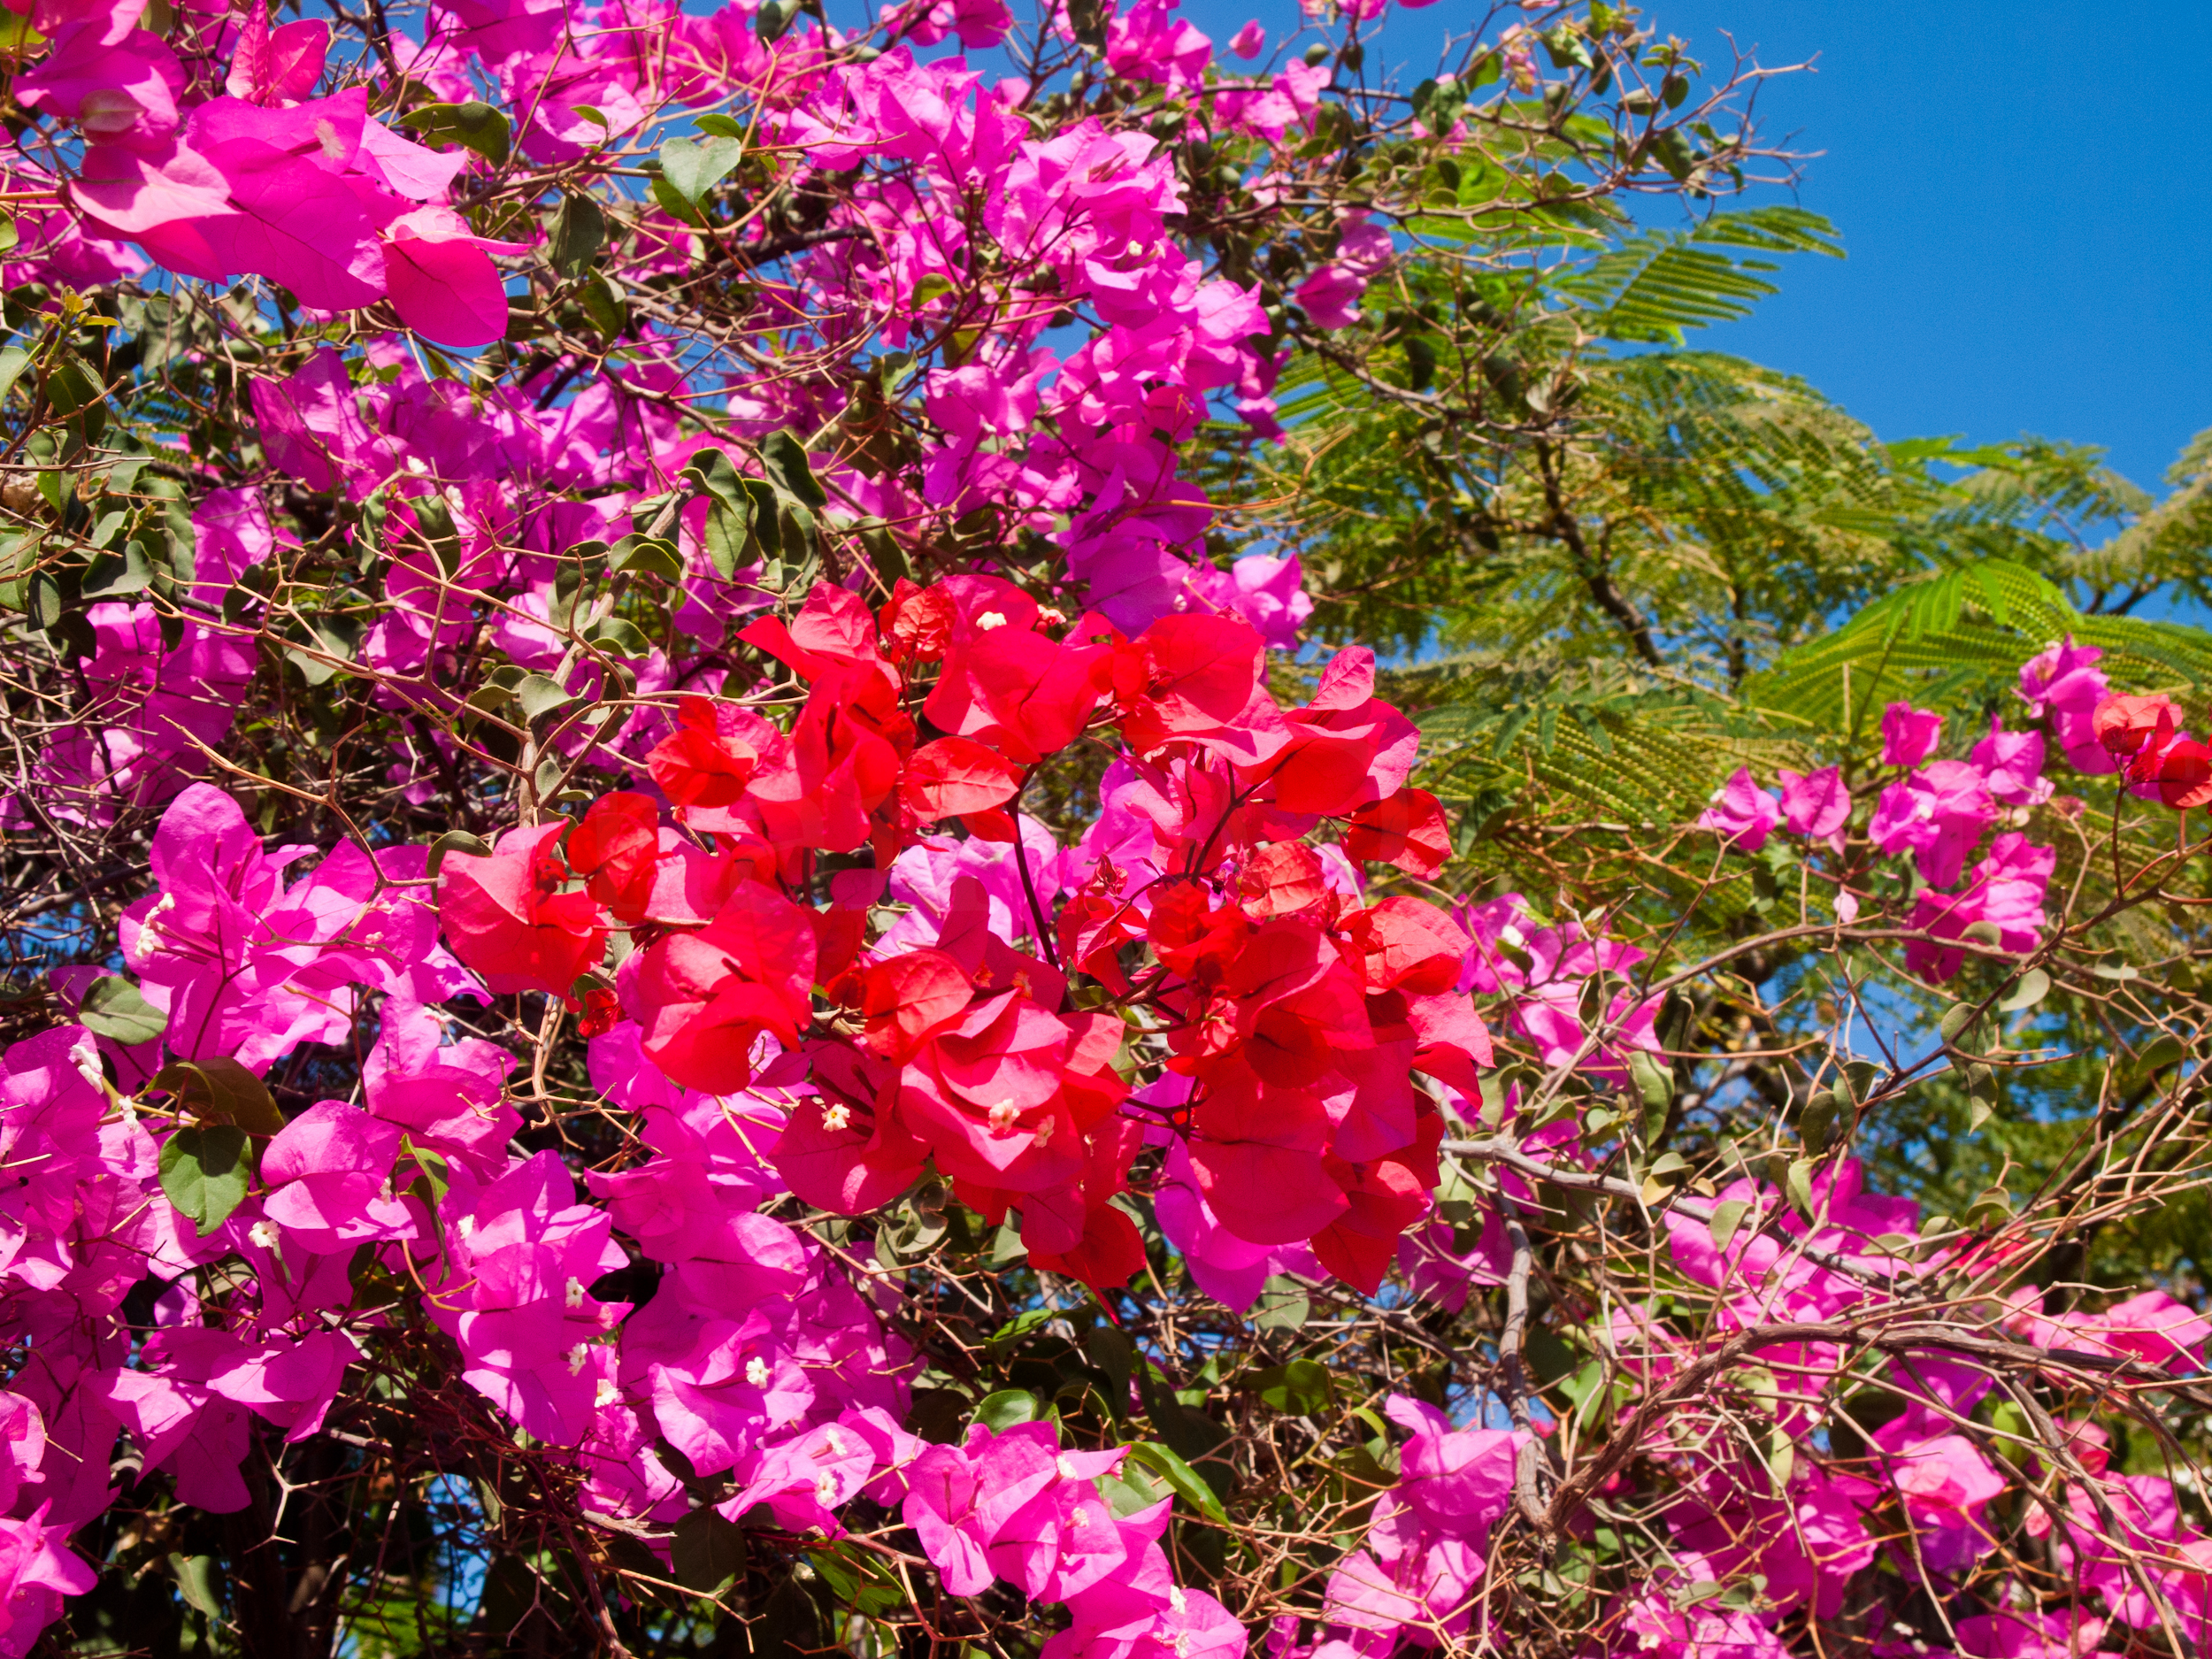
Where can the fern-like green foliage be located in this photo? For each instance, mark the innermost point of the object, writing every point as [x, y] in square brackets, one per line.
[1610, 574]
[1654, 286]
[1624, 747]
[1959, 636]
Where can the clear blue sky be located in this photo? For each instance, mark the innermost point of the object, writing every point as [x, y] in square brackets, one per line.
[2022, 190]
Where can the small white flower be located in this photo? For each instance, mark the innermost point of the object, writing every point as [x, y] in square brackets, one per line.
[578, 1357]
[836, 1117]
[1066, 1470]
[575, 1297]
[1003, 1116]
[825, 1488]
[1042, 1135]
[988, 620]
[1513, 936]
[757, 1371]
[835, 1441]
[465, 1226]
[264, 1234]
[605, 1395]
[1177, 1599]
[84, 1054]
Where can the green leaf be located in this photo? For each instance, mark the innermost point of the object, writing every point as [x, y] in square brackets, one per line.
[673, 203]
[457, 841]
[1956, 1021]
[1136, 1487]
[326, 636]
[650, 556]
[1800, 1183]
[734, 510]
[1817, 1120]
[720, 126]
[618, 637]
[2034, 986]
[1655, 1083]
[435, 1176]
[42, 601]
[205, 1173]
[1185, 1481]
[578, 232]
[712, 471]
[708, 1552]
[1300, 1387]
[541, 694]
[1109, 1349]
[609, 311]
[774, 18]
[729, 528]
[783, 458]
[692, 166]
[14, 361]
[1002, 1410]
[1727, 1217]
[1282, 1305]
[113, 1008]
[475, 126]
[220, 1091]
[195, 1580]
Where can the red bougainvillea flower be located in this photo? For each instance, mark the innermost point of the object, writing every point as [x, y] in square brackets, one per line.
[2125, 724]
[705, 998]
[615, 847]
[1408, 829]
[698, 765]
[2184, 775]
[508, 918]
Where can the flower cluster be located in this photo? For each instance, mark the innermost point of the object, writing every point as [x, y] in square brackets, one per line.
[1289, 1015]
[1938, 811]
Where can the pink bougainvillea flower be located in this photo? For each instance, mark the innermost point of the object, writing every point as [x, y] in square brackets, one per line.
[1908, 734]
[1742, 813]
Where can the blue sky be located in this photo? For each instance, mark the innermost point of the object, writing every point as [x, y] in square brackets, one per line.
[2020, 187]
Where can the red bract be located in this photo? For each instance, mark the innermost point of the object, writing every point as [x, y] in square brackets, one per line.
[2184, 775]
[1004, 684]
[954, 777]
[1408, 945]
[1348, 749]
[1382, 1199]
[1259, 1152]
[1195, 678]
[510, 919]
[911, 995]
[700, 765]
[615, 848]
[1408, 829]
[706, 998]
[2125, 724]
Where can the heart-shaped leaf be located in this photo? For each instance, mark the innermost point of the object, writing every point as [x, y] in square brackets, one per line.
[476, 126]
[114, 1008]
[694, 165]
[220, 1091]
[205, 1173]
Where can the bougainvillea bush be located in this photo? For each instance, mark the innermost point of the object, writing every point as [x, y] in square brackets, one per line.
[708, 952]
